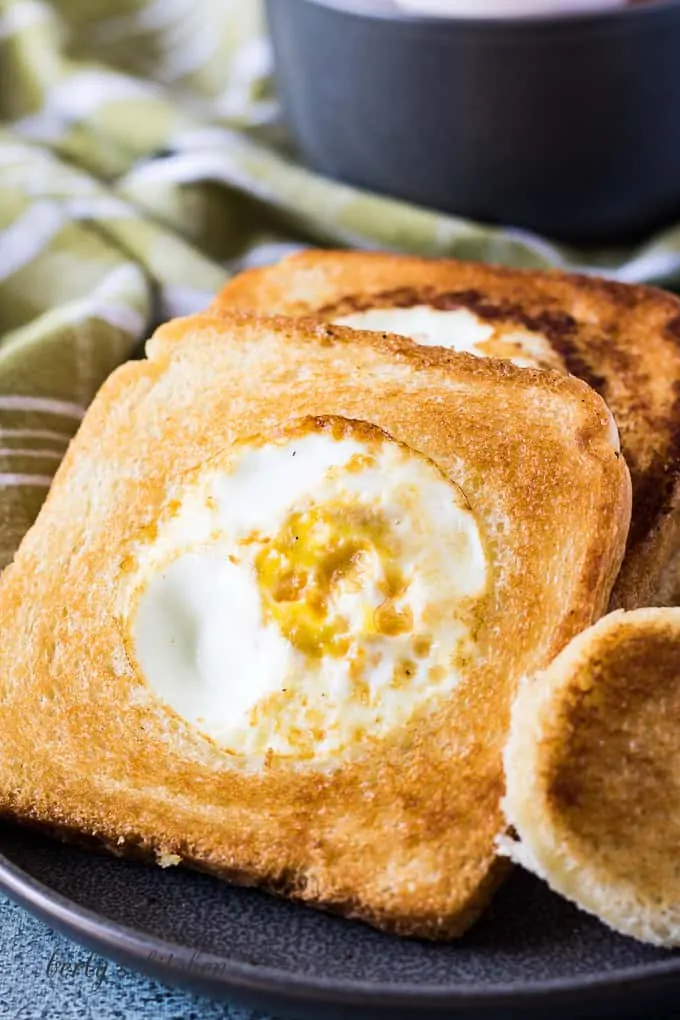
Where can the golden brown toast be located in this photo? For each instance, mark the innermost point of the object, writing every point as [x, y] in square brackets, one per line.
[593, 773]
[622, 340]
[397, 825]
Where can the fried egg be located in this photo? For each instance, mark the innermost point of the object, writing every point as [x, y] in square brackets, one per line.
[459, 329]
[306, 592]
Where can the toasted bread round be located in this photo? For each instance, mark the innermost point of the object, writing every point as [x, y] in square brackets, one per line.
[622, 340]
[593, 774]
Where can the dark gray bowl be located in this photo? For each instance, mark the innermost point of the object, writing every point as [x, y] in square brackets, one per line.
[566, 125]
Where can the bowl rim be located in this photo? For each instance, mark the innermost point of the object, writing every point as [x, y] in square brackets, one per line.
[384, 11]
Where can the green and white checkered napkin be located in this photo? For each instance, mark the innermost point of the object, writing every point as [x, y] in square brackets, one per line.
[140, 165]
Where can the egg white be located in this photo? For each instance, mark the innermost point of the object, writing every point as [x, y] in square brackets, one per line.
[458, 329]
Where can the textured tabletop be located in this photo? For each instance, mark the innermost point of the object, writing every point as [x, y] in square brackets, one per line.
[44, 975]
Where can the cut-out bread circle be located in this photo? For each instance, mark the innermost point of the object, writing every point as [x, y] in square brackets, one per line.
[593, 774]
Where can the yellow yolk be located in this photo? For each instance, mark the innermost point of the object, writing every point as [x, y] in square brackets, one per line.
[316, 553]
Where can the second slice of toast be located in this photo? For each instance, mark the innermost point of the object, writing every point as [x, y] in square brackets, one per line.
[622, 340]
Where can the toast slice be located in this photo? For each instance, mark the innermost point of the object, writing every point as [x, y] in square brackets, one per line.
[622, 340]
[593, 773]
[271, 618]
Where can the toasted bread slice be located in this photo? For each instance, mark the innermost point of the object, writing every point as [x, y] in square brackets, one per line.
[593, 773]
[382, 801]
[624, 341]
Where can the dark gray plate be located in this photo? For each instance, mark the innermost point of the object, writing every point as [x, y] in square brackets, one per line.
[531, 954]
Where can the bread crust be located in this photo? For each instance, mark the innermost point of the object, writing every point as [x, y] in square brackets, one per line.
[623, 340]
[404, 835]
[592, 768]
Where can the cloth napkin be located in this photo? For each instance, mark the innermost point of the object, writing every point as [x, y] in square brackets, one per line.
[141, 163]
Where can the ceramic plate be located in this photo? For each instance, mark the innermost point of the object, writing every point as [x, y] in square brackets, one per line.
[531, 955]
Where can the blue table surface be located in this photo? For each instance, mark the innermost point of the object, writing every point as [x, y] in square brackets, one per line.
[44, 975]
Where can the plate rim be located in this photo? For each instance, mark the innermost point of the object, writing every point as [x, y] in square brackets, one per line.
[110, 938]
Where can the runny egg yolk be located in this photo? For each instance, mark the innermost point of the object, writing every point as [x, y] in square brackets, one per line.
[315, 554]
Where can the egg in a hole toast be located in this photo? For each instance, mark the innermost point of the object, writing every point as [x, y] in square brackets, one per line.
[623, 340]
[271, 618]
